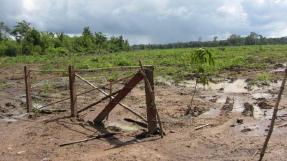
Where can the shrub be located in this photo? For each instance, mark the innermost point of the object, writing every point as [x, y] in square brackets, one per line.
[123, 62]
[11, 49]
[37, 49]
[60, 51]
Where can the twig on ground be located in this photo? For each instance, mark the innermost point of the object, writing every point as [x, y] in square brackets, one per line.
[282, 125]
[88, 139]
[200, 127]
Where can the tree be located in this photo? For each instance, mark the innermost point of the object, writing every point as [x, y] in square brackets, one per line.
[47, 40]
[200, 58]
[252, 39]
[86, 32]
[87, 39]
[33, 36]
[118, 44]
[4, 30]
[59, 40]
[234, 39]
[31, 41]
[20, 30]
[100, 41]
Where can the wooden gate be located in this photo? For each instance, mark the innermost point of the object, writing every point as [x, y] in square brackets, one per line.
[143, 73]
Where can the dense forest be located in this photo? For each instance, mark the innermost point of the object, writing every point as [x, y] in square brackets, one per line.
[233, 40]
[23, 39]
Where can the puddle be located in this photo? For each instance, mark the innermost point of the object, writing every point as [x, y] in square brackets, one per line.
[222, 99]
[238, 105]
[212, 113]
[236, 86]
[7, 119]
[280, 69]
[13, 118]
[237, 90]
[257, 113]
[164, 80]
[261, 95]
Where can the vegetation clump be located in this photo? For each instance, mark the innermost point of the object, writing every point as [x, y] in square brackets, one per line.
[27, 40]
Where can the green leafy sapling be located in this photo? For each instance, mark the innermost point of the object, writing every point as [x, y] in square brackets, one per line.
[200, 58]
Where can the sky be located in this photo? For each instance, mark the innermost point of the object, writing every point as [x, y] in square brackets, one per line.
[152, 21]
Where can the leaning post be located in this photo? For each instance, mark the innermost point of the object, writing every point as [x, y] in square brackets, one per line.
[73, 96]
[27, 77]
[151, 109]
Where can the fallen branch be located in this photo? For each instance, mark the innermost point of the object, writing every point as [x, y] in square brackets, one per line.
[273, 117]
[50, 111]
[200, 127]
[255, 153]
[282, 125]
[88, 139]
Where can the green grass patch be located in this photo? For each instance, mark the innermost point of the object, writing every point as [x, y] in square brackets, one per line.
[169, 62]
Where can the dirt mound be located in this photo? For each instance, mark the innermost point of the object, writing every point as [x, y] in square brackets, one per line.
[228, 105]
[248, 109]
[264, 104]
[197, 110]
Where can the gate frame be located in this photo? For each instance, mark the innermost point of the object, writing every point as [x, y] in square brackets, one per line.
[144, 73]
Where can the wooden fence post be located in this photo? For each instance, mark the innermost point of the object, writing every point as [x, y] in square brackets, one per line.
[27, 77]
[151, 109]
[73, 97]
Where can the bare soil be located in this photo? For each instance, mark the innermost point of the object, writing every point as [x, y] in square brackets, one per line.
[229, 135]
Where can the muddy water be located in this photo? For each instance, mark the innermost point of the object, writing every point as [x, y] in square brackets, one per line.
[237, 90]
[280, 69]
[237, 86]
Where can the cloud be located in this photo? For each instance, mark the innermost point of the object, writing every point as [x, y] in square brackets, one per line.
[152, 21]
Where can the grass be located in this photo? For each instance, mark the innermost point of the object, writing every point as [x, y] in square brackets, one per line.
[263, 78]
[172, 62]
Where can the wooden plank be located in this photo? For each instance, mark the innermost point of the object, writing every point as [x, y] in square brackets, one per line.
[150, 91]
[73, 96]
[124, 92]
[111, 90]
[105, 93]
[150, 102]
[27, 77]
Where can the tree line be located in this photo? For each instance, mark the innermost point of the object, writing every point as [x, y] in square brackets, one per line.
[23, 39]
[233, 40]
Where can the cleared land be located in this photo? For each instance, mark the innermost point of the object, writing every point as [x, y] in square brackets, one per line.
[244, 74]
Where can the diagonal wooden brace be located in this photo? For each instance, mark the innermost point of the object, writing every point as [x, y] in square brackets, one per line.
[122, 94]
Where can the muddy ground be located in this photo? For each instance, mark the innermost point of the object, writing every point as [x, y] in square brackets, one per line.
[236, 116]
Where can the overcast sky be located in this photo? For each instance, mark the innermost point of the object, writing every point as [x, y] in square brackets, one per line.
[152, 21]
